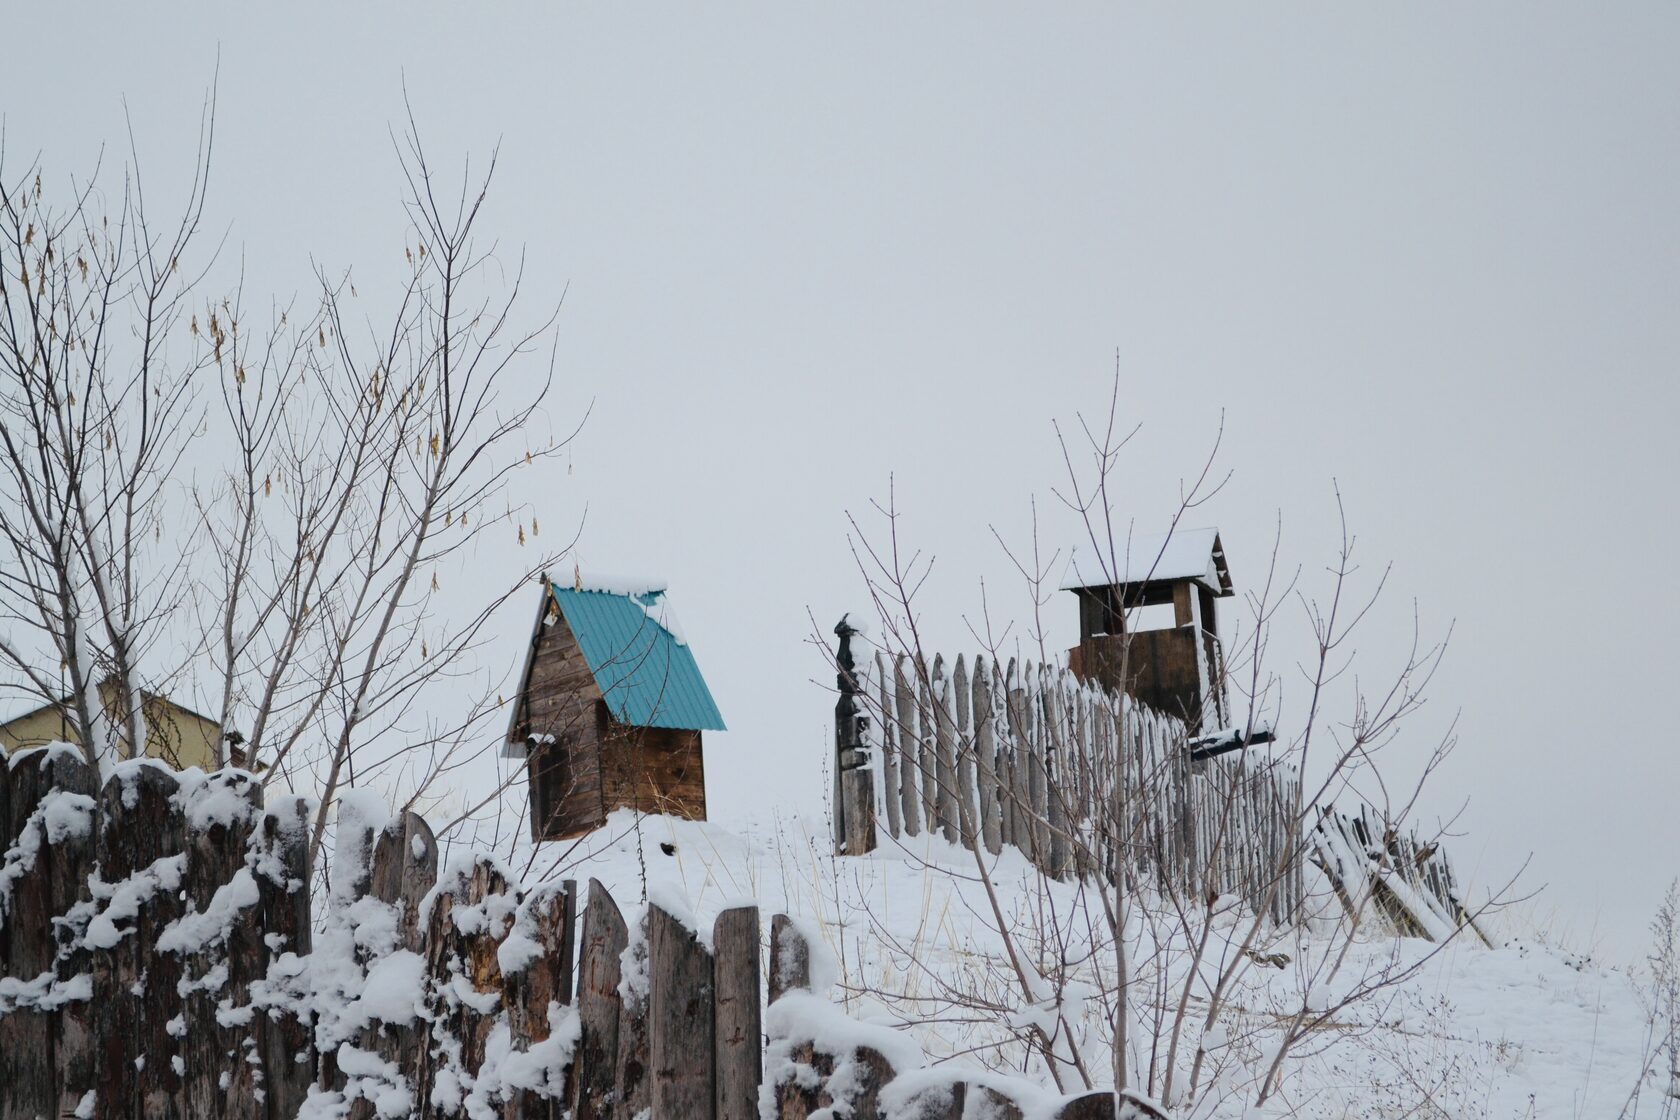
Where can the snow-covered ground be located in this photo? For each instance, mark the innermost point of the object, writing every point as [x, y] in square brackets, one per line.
[1524, 1030]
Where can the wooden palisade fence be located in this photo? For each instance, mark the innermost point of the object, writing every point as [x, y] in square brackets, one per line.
[159, 958]
[1076, 778]
[1082, 781]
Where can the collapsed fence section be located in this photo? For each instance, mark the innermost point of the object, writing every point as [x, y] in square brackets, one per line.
[1407, 882]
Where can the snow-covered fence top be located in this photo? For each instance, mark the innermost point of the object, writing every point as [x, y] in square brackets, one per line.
[159, 958]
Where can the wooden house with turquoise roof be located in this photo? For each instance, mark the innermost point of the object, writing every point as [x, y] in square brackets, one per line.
[611, 708]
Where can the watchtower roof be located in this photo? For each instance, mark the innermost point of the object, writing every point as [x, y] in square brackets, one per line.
[1184, 554]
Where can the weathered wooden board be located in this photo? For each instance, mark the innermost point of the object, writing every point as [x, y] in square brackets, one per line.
[739, 1044]
[910, 774]
[286, 1049]
[142, 839]
[681, 1009]
[790, 959]
[219, 1035]
[595, 1070]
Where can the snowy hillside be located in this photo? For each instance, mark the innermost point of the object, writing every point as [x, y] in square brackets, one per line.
[1525, 1030]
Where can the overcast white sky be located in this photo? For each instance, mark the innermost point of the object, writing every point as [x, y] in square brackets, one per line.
[1428, 251]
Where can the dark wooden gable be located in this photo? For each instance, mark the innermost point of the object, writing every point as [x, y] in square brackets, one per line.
[562, 721]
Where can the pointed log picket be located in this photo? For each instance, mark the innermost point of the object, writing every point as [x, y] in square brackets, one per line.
[909, 773]
[985, 738]
[888, 752]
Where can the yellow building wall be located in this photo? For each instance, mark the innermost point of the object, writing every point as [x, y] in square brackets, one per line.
[175, 735]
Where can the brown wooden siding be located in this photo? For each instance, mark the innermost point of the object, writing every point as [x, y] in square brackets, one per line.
[1161, 665]
[655, 770]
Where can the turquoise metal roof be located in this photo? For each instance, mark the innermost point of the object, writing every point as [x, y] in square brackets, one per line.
[645, 671]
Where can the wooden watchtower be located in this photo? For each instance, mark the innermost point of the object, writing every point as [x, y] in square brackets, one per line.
[1176, 669]
[610, 709]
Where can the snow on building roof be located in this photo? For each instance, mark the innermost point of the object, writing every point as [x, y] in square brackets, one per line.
[637, 653]
[1193, 554]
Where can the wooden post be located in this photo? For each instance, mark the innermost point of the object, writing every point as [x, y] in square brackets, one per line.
[404, 870]
[994, 1105]
[937, 1102]
[854, 827]
[594, 1068]
[889, 754]
[910, 775]
[1089, 1106]
[985, 738]
[944, 742]
[681, 1034]
[632, 1065]
[739, 1053]
[927, 760]
[288, 1057]
[454, 957]
[967, 794]
[1017, 791]
[216, 1078]
[38, 1046]
[26, 1041]
[546, 917]
[73, 854]
[790, 959]
[872, 1074]
[135, 989]
[1057, 786]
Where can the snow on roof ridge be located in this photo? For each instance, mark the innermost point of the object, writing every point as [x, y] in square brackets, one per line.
[1179, 554]
[609, 584]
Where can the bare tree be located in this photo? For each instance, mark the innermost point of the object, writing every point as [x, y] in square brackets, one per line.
[346, 461]
[1133, 968]
[370, 454]
[96, 396]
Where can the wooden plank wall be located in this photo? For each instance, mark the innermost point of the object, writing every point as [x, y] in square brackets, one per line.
[654, 770]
